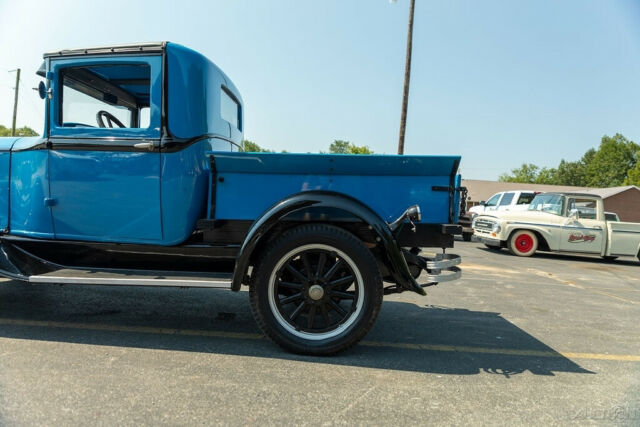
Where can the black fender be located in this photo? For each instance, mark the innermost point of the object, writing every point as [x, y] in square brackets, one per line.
[325, 206]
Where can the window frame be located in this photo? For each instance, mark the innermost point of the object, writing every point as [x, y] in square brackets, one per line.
[56, 130]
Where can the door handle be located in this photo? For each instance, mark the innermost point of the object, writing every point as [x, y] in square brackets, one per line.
[148, 145]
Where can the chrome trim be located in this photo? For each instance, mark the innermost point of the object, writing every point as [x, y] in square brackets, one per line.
[183, 282]
[552, 225]
[448, 275]
[441, 261]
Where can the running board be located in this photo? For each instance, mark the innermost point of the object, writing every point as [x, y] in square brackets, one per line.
[135, 278]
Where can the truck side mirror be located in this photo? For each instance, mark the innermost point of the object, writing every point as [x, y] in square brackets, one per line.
[42, 90]
[574, 214]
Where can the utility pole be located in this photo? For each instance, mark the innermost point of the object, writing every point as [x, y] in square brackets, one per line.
[15, 103]
[407, 77]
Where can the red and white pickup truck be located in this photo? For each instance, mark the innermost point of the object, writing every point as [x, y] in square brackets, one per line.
[559, 222]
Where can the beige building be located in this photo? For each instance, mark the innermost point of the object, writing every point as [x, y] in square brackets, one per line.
[625, 201]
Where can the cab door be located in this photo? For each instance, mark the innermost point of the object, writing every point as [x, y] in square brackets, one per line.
[104, 160]
[584, 232]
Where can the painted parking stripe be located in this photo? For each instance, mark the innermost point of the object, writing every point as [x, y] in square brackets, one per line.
[254, 336]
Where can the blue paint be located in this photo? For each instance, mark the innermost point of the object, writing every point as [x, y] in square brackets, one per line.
[388, 184]
[186, 180]
[7, 142]
[195, 85]
[4, 189]
[29, 186]
[106, 196]
[5, 157]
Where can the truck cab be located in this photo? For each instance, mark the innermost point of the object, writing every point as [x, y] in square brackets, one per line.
[139, 179]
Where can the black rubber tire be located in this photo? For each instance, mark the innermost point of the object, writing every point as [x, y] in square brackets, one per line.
[467, 236]
[526, 248]
[337, 238]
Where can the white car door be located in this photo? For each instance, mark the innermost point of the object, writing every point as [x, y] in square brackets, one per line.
[584, 233]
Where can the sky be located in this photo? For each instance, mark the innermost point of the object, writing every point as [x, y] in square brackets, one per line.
[499, 82]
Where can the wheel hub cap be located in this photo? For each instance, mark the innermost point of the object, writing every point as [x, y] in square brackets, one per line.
[316, 292]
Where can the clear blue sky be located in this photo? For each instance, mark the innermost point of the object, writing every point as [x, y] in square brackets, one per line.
[498, 82]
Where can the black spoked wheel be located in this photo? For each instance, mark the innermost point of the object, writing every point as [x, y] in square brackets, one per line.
[317, 290]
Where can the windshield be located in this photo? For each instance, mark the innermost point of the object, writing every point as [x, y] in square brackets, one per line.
[552, 203]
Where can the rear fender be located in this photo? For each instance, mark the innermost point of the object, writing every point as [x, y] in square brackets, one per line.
[325, 206]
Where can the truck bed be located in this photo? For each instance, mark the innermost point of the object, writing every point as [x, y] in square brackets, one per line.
[248, 183]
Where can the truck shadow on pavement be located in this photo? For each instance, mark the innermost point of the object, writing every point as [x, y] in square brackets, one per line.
[406, 336]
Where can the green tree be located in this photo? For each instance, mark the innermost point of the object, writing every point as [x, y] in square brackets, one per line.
[633, 175]
[252, 147]
[23, 131]
[610, 164]
[546, 176]
[527, 173]
[570, 173]
[339, 146]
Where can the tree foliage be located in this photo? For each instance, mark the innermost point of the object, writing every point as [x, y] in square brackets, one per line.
[339, 146]
[614, 163]
[23, 131]
[252, 147]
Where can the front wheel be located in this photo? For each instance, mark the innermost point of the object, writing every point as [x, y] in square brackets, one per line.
[523, 243]
[316, 290]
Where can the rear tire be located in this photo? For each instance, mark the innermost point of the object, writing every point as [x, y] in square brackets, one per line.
[316, 290]
[523, 243]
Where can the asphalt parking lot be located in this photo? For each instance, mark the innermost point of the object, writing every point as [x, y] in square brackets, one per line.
[549, 339]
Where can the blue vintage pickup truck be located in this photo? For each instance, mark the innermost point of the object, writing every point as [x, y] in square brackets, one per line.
[139, 180]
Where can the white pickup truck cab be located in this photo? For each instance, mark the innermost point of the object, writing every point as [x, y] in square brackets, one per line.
[504, 201]
[559, 222]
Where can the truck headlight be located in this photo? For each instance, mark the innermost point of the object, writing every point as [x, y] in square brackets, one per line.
[473, 223]
[496, 228]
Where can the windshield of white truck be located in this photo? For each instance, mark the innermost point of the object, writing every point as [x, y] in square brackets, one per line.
[552, 203]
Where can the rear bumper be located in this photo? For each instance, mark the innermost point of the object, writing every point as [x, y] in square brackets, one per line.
[438, 267]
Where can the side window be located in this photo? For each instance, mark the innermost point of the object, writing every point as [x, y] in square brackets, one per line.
[525, 198]
[587, 208]
[230, 109]
[506, 199]
[493, 201]
[106, 96]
